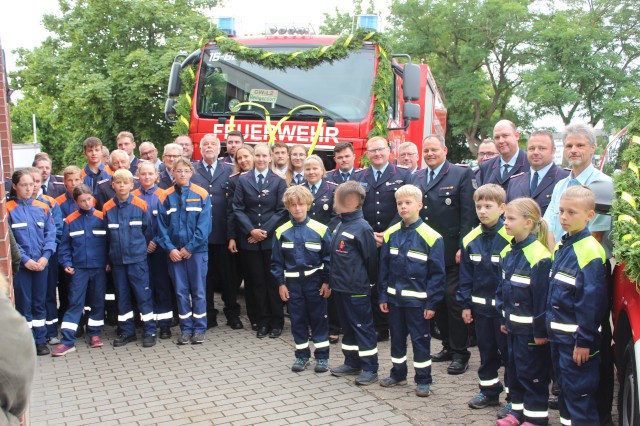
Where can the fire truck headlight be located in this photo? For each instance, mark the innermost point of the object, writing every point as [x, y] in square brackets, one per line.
[292, 30]
[282, 30]
[273, 29]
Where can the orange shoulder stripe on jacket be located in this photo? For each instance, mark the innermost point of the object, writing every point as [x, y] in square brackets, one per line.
[60, 199]
[83, 174]
[108, 170]
[49, 200]
[199, 190]
[42, 205]
[136, 192]
[108, 205]
[165, 193]
[73, 216]
[98, 213]
[11, 205]
[140, 203]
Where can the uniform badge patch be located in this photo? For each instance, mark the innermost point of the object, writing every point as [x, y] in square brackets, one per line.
[447, 201]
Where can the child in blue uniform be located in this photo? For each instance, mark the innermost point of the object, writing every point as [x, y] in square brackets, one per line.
[410, 286]
[35, 234]
[129, 231]
[521, 298]
[354, 268]
[479, 277]
[576, 306]
[184, 223]
[300, 265]
[83, 255]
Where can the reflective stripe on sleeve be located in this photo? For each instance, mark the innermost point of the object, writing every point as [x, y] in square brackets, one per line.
[520, 319]
[74, 233]
[171, 210]
[348, 235]
[393, 251]
[482, 301]
[565, 279]
[520, 280]
[287, 245]
[568, 328]
[19, 225]
[417, 255]
[416, 294]
[475, 257]
[495, 259]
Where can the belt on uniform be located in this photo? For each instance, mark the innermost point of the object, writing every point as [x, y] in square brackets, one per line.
[303, 273]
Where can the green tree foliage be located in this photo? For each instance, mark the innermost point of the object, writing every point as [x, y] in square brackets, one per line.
[103, 69]
[475, 49]
[585, 61]
[342, 22]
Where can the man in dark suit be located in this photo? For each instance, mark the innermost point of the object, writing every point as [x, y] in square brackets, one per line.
[380, 181]
[345, 158]
[117, 160]
[213, 175]
[449, 209]
[539, 181]
[511, 161]
[171, 152]
[235, 139]
[486, 151]
[51, 185]
[125, 142]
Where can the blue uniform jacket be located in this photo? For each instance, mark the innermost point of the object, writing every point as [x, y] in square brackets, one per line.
[258, 209]
[354, 255]
[66, 203]
[301, 249]
[33, 229]
[84, 240]
[216, 186]
[577, 291]
[412, 268]
[322, 206]
[128, 230]
[55, 186]
[379, 208]
[448, 205]
[335, 176]
[480, 268]
[151, 196]
[522, 291]
[56, 214]
[184, 219]
[520, 186]
[91, 179]
[490, 171]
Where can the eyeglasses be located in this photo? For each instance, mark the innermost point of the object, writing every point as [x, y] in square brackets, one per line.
[408, 154]
[171, 156]
[182, 172]
[376, 150]
[486, 154]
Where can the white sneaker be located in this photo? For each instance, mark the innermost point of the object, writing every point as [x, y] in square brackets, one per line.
[53, 341]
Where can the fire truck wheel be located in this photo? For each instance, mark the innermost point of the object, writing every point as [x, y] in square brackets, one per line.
[628, 394]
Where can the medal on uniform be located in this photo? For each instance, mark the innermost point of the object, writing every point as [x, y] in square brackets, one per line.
[325, 207]
[447, 201]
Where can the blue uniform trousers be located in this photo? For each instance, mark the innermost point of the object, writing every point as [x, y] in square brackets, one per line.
[134, 278]
[403, 321]
[190, 280]
[359, 343]
[161, 287]
[51, 302]
[30, 290]
[87, 285]
[528, 373]
[308, 308]
[492, 344]
[578, 385]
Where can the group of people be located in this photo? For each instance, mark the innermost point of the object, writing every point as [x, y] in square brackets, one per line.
[357, 252]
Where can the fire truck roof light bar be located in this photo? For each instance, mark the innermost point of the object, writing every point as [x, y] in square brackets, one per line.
[228, 25]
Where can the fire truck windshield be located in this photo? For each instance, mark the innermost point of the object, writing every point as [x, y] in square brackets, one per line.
[342, 89]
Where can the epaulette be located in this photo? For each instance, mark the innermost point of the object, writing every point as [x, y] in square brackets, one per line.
[244, 173]
[58, 183]
[359, 170]
[228, 164]
[100, 182]
[221, 158]
[59, 177]
[462, 165]
[567, 169]
[402, 167]
[516, 175]
[234, 174]
[332, 183]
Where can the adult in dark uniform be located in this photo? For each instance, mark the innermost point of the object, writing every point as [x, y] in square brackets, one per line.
[234, 141]
[449, 209]
[380, 181]
[171, 152]
[539, 181]
[258, 208]
[280, 153]
[213, 175]
[408, 156]
[126, 142]
[117, 160]
[486, 151]
[187, 145]
[51, 185]
[345, 158]
[511, 161]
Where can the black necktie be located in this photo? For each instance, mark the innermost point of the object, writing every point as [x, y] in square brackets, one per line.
[313, 190]
[345, 176]
[210, 169]
[534, 182]
[378, 175]
[506, 171]
[44, 189]
[298, 178]
[432, 175]
[260, 178]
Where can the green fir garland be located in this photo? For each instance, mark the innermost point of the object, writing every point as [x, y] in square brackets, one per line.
[302, 59]
[624, 209]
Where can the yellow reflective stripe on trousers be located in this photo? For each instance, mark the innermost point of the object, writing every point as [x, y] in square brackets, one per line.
[69, 325]
[368, 352]
[565, 422]
[489, 382]
[535, 414]
[320, 345]
[349, 347]
[147, 317]
[517, 407]
[568, 328]
[185, 316]
[399, 360]
[304, 345]
[126, 316]
[423, 364]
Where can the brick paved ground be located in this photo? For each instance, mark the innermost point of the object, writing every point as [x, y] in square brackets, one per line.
[234, 378]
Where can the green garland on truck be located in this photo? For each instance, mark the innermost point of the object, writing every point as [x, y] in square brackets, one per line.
[303, 59]
[624, 210]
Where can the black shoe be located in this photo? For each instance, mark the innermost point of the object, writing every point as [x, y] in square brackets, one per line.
[79, 332]
[553, 402]
[458, 366]
[442, 356]
[483, 401]
[254, 327]
[235, 323]
[275, 332]
[42, 350]
[435, 331]
[148, 341]
[197, 338]
[382, 336]
[333, 340]
[211, 322]
[262, 332]
[165, 333]
[123, 340]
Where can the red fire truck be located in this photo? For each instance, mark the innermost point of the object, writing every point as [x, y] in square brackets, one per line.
[341, 93]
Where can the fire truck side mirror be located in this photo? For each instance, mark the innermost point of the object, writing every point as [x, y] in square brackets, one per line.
[411, 111]
[170, 113]
[411, 82]
[174, 80]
